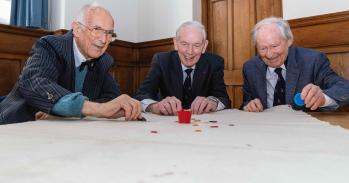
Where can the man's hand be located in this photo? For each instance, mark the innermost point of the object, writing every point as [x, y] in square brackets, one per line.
[43, 116]
[118, 107]
[254, 105]
[167, 106]
[203, 105]
[313, 96]
[131, 107]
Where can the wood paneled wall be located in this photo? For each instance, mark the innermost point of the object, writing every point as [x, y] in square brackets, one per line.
[132, 60]
[228, 24]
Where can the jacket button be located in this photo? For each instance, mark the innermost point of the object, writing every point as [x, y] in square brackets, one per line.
[49, 96]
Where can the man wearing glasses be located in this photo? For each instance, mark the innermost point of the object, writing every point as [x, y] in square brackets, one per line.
[68, 75]
[188, 78]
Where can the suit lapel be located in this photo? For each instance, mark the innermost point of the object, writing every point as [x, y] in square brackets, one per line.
[176, 75]
[292, 75]
[68, 80]
[201, 70]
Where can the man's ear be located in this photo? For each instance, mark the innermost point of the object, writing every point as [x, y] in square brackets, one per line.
[205, 46]
[289, 42]
[175, 44]
[76, 29]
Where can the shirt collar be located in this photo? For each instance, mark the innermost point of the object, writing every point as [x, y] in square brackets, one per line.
[272, 69]
[78, 57]
[185, 67]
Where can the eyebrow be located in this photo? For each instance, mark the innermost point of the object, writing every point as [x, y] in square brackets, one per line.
[99, 27]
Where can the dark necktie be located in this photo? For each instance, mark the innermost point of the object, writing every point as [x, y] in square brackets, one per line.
[279, 92]
[187, 90]
[89, 63]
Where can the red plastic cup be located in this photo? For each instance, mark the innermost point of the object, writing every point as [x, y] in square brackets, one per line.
[184, 116]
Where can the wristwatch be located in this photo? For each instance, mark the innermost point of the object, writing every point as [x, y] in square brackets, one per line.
[213, 99]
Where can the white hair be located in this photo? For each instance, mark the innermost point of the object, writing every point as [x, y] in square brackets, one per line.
[280, 23]
[194, 24]
[86, 9]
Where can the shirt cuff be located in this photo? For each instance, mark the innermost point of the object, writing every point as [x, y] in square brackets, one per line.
[70, 105]
[329, 102]
[146, 102]
[220, 105]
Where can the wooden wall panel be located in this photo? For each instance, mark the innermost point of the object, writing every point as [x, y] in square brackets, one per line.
[266, 8]
[218, 28]
[10, 67]
[322, 32]
[18, 40]
[340, 63]
[147, 49]
[126, 76]
[123, 53]
[243, 46]
[125, 65]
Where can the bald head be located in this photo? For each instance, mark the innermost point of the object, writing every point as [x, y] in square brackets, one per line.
[89, 10]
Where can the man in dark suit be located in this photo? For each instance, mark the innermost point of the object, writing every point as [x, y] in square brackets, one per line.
[281, 70]
[68, 75]
[188, 78]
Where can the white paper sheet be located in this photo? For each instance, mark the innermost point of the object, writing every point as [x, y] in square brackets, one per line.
[277, 145]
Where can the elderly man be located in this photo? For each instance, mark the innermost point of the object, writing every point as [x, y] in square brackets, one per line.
[68, 75]
[188, 78]
[281, 70]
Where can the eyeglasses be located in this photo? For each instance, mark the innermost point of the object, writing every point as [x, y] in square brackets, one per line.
[98, 31]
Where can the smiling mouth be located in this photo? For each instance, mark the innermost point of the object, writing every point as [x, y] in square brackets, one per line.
[189, 58]
[99, 46]
[272, 59]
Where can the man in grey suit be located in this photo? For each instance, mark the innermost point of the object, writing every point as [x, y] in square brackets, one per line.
[69, 75]
[281, 70]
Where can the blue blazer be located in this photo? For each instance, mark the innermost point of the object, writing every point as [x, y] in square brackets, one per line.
[49, 74]
[166, 77]
[304, 66]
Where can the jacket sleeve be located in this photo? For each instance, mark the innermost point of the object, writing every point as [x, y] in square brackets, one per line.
[38, 82]
[247, 94]
[218, 88]
[332, 85]
[110, 89]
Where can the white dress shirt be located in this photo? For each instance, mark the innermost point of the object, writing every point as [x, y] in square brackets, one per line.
[78, 57]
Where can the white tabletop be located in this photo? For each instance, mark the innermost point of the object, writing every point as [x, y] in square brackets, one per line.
[278, 145]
